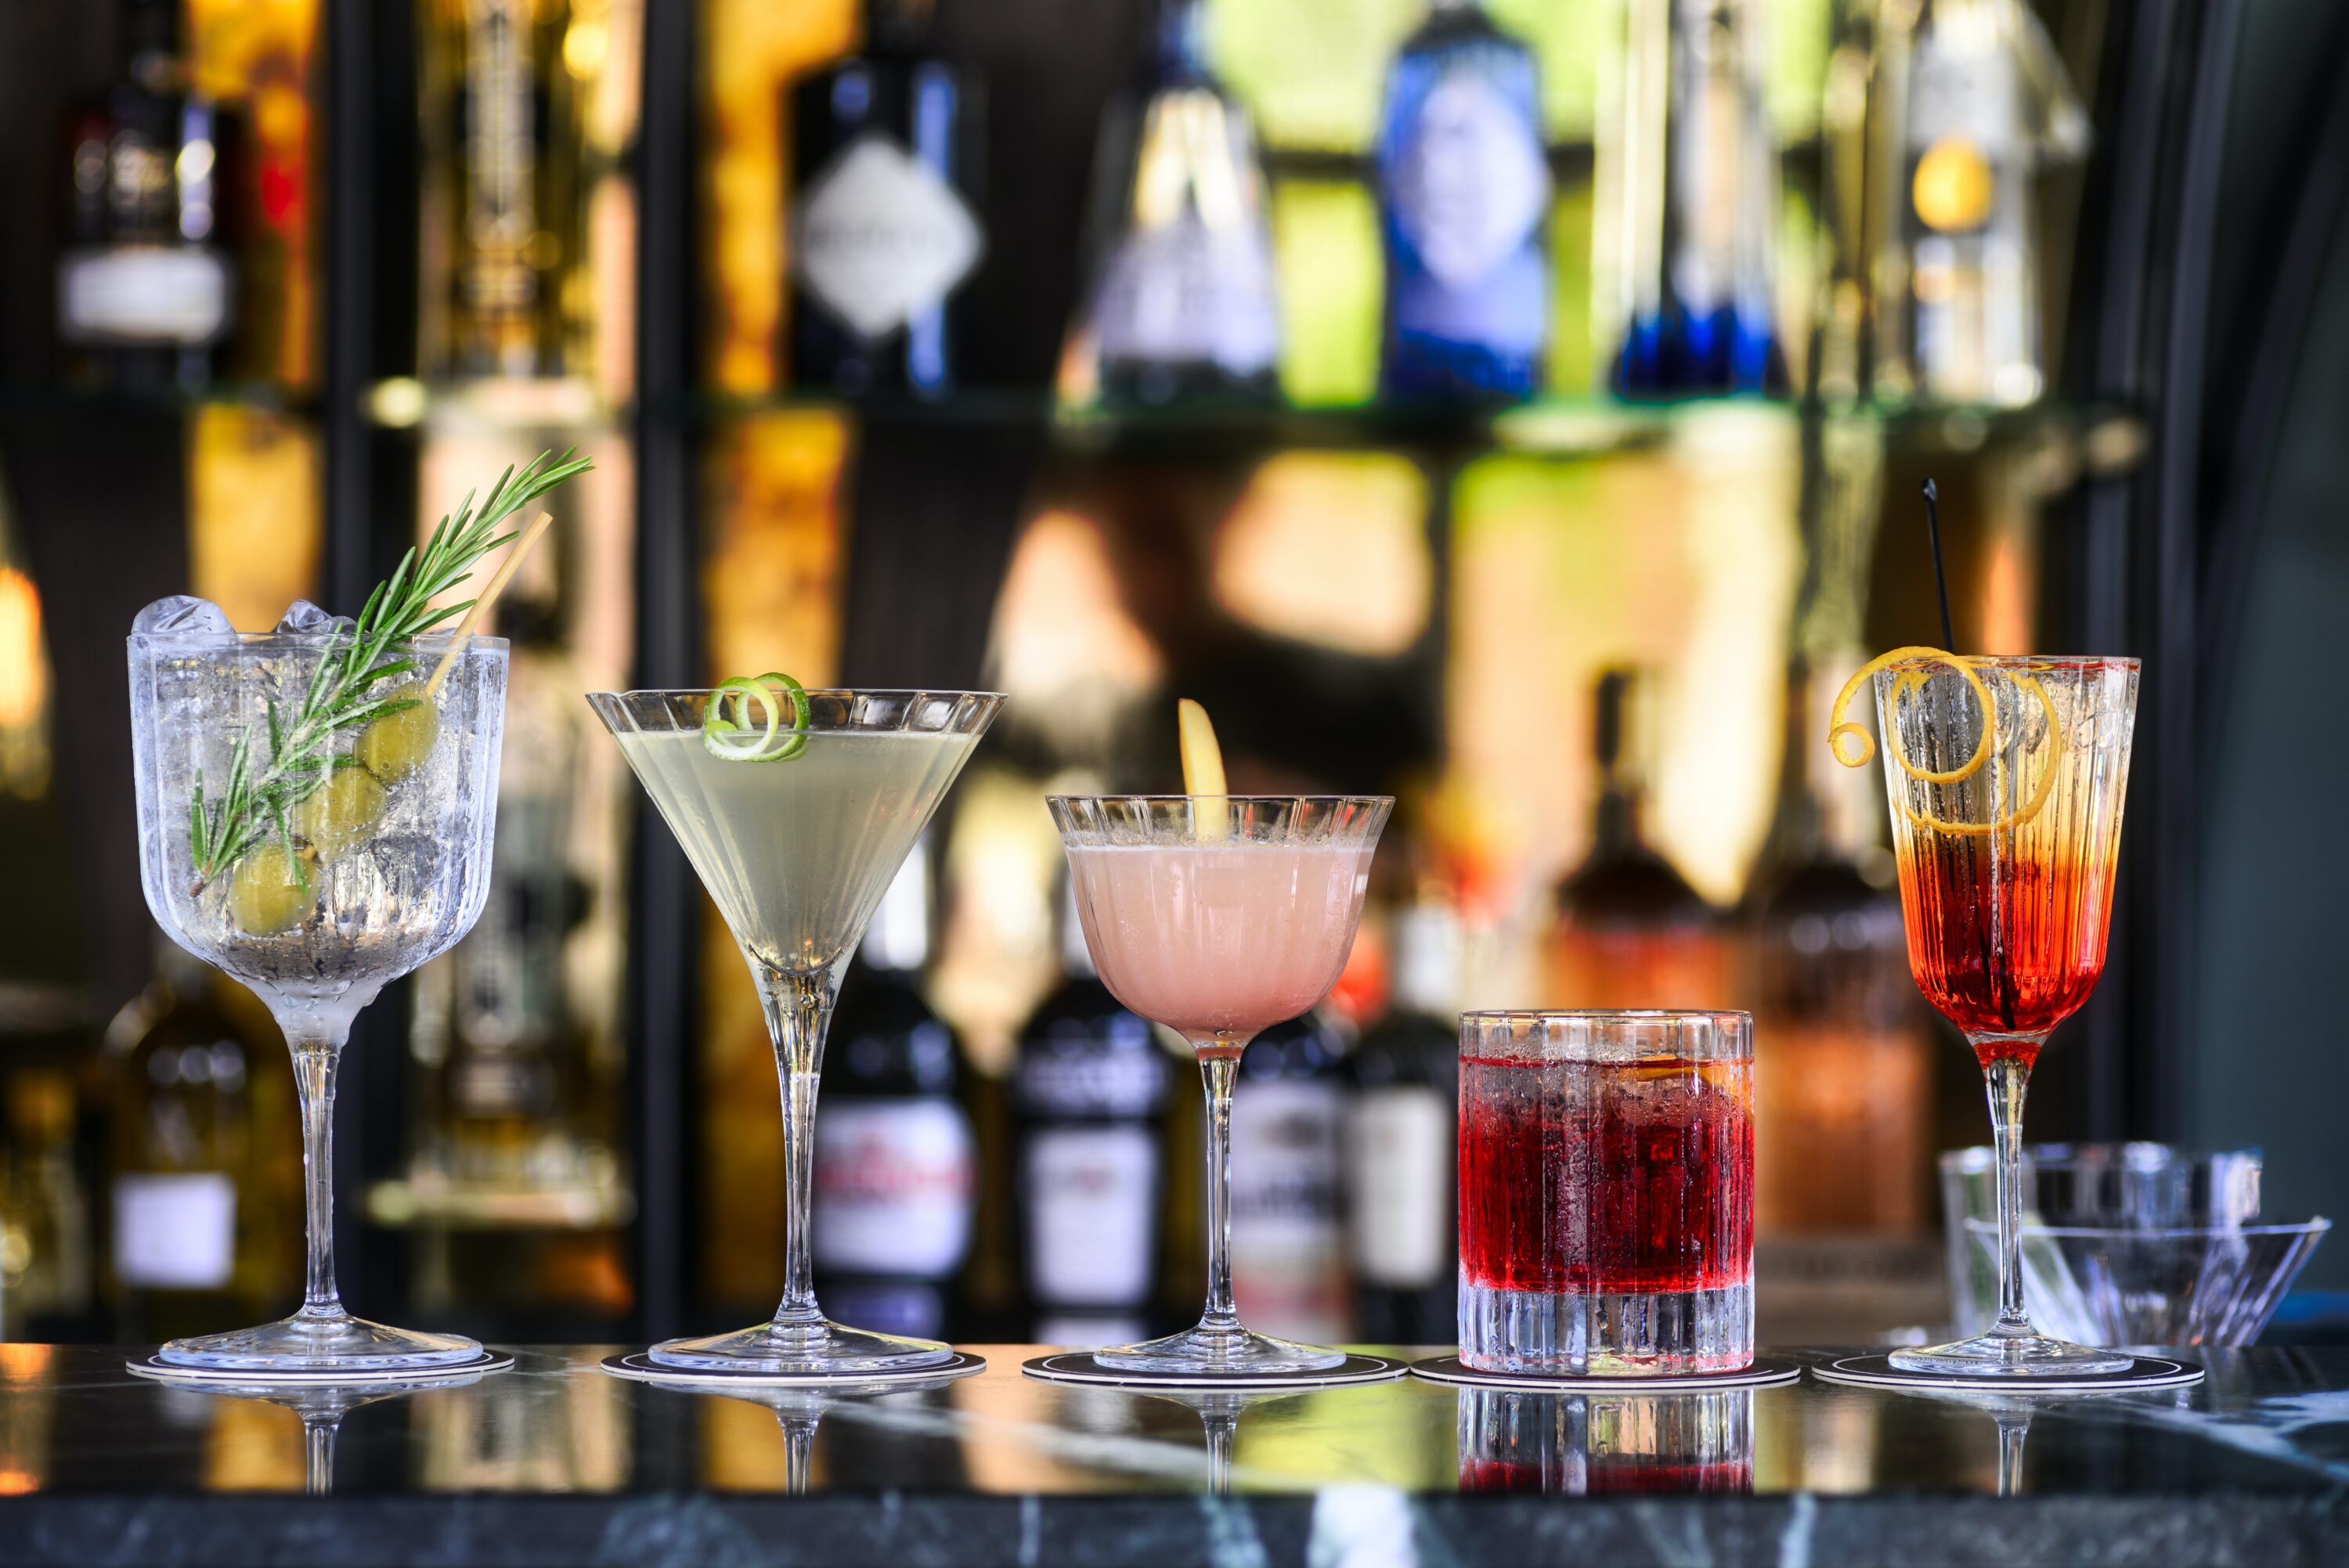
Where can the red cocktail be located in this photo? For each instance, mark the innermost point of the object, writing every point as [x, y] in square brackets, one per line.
[2005, 778]
[1606, 1192]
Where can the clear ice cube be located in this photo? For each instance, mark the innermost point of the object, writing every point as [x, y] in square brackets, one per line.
[304, 619]
[183, 616]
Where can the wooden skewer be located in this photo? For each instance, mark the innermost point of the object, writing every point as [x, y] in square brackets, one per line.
[489, 595]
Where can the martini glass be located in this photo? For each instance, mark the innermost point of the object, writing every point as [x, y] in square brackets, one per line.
[1218, 916]
[2006, 821]
[796, 851]
[381, 869]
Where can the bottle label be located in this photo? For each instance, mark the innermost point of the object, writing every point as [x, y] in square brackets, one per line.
[880, 238]
[1092, 1209]
[1192, 283]
[894, 1181]
[1109, 1080]
[142, 295]
[175, 1232]
[1399, 1158]
[1288, 1248]
[1471, 182]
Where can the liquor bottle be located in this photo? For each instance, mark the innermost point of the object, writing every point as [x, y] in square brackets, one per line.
[1464, 187]
[895, 1167]
[145, 285]
[1403, 1222]
[1089, 1087]
[1688, 177]
[1631, 932]
[1185, 305]
[44, 1219]
[886, 163]
[511, 1099]
[1978, 100]
[504, 291]
[1842, 1073]
[206, 1177]
[1288, 1188]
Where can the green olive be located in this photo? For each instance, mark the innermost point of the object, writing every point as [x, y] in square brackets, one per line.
[340, 813]
[268, 892]
[396, 745]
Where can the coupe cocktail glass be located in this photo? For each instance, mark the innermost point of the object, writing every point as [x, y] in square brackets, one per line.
[1606, 1192]
[389, 866]
[796, 850]
[2006, 821]
[1220, 915]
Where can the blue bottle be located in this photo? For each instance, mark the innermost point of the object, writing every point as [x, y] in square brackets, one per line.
[1695, 167]
[1464, 187]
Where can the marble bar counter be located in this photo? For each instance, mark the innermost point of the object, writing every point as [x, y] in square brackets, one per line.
[555, 1462]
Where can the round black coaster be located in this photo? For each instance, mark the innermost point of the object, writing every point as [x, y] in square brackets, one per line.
[642, 1368]
[1077, 1367]
[1878, 1372]
[1765, 1372]
[256, 1377]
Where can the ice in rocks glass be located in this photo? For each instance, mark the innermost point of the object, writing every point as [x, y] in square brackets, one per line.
[1606, 1192]
[383, 867]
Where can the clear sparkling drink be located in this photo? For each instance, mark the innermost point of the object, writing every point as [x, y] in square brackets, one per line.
[1606, 1192]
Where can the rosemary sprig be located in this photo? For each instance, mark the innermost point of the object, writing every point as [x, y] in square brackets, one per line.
[252, 803]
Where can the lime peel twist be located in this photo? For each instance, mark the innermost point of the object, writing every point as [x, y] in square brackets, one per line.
[1985, 749]
[739, 738]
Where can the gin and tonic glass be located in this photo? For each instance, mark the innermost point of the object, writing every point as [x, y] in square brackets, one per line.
[385, 864]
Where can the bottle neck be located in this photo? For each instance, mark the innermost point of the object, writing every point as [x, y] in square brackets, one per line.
[1796, 824]
[1427, 961]
[1183, 39]
[897, 25]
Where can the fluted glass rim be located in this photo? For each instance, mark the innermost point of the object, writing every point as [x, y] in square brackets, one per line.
[2022, 662]
[1243, 800]
[227, 641]
[1529, 1038]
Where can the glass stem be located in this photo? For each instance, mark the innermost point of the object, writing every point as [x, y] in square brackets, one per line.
[318, 1471]
[317, 1050]
[2007, 1078]
[798, 1009]
[1219, 1063]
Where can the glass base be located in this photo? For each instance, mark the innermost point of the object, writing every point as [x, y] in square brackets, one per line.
[2010, 1355]
[809, 1350]
[315, 1345]
[1220, 1352]
[1602, 1334]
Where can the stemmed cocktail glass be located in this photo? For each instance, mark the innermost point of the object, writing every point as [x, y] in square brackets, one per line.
[2005, 778]
[796, 812]
[382, 864]
[1218, 915]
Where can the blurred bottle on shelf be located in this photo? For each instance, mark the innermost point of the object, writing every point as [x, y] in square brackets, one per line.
[1090, 1089]
[1842, 1083]
[1184, 303]
[1464, 187]
[1402, 1223]
[896, 1176]
[887, 165]
[1630, 931]
[1972, 100]
[46, 1278]
[517, 1122]
[1287, 1189]
[1688, 203]
[206, 1170]
[505, 288]
[146, 284]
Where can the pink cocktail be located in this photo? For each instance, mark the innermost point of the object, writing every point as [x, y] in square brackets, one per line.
[1219, 941]
[1216, 916]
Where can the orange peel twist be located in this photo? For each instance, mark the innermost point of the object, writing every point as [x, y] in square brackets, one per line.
[1985, 749]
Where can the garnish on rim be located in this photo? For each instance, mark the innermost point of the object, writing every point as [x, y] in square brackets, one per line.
[1985, 750]
[736, 738]
[255, 803]
[1203, 766]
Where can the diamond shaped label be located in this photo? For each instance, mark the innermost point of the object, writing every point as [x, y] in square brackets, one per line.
[881, 238]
